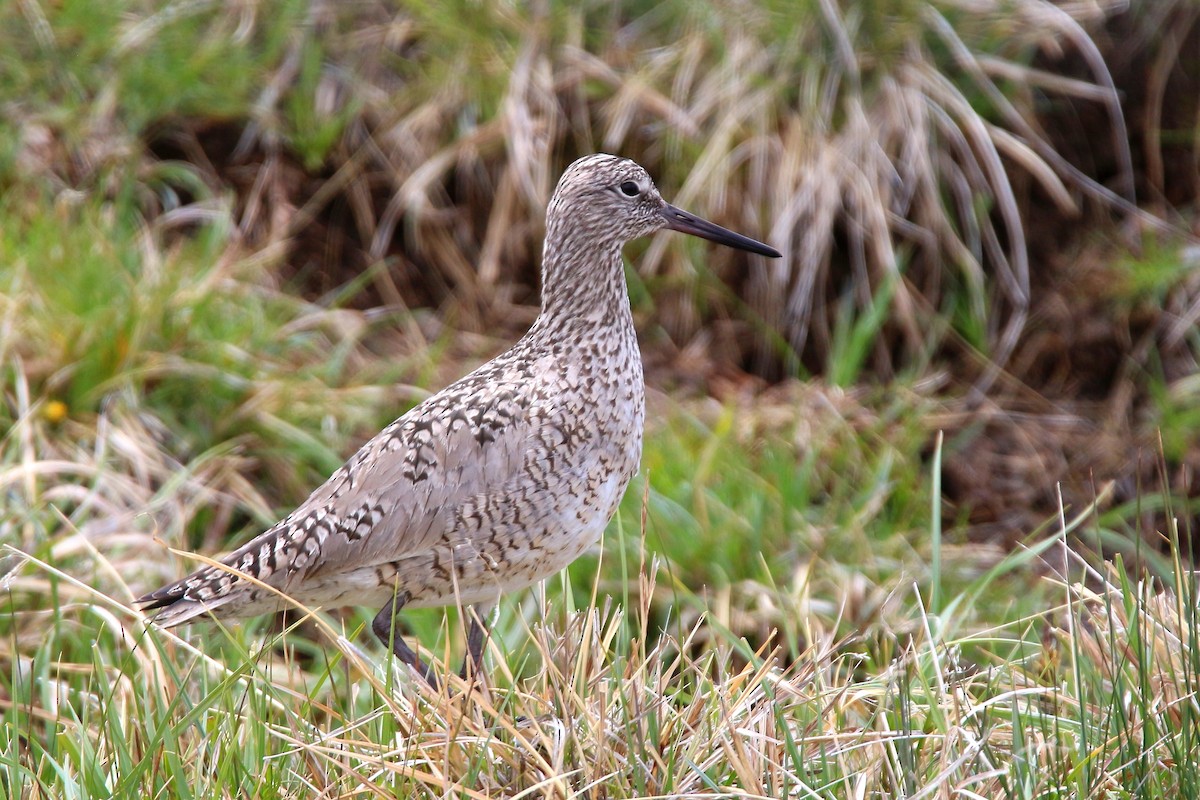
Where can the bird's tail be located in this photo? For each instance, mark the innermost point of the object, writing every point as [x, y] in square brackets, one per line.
[199, 594]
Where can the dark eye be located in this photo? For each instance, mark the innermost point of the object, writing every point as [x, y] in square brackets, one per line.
[630, 189]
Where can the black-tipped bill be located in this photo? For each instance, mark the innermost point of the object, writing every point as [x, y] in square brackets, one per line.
[680, 220]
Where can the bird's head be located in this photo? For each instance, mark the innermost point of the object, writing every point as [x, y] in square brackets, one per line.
[614, 200]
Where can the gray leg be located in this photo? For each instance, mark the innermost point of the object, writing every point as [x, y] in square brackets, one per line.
[477, 634]
[384, 627]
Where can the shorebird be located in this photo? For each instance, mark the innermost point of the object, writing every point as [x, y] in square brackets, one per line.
[497, 481]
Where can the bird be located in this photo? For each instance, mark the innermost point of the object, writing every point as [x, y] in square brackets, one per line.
[500, 479]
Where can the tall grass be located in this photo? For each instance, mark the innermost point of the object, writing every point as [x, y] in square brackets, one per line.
[1090, 692]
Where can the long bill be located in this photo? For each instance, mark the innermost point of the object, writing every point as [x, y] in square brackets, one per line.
[682, 221]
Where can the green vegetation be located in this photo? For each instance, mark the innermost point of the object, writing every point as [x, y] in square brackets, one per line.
[238, 238]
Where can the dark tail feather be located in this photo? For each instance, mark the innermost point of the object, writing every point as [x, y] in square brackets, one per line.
[162, 598]
[178, 602]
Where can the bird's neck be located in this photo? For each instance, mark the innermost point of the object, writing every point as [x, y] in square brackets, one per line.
[583, 283]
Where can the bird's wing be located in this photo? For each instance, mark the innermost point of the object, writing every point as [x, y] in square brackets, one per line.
[396, 496]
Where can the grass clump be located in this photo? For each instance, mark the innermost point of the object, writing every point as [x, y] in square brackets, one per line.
[904, 130]
[94, 71]
[1083, 694]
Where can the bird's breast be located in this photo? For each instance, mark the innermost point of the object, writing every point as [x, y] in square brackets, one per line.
[601, 398]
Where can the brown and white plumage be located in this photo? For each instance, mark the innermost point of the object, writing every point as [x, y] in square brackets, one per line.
[500, 479]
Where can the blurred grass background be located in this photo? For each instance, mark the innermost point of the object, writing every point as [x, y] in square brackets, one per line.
[240, 237]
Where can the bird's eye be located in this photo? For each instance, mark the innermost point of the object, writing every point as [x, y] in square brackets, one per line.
[630, 189]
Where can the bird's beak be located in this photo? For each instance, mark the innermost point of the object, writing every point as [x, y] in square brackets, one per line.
[680, 220]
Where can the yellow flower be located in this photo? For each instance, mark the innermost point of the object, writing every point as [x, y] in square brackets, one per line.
[55, 411]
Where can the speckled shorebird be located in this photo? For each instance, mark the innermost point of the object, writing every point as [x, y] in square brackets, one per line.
[497, 481]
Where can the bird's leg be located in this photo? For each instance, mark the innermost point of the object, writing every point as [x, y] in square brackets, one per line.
[477, 634]
[384, 627]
